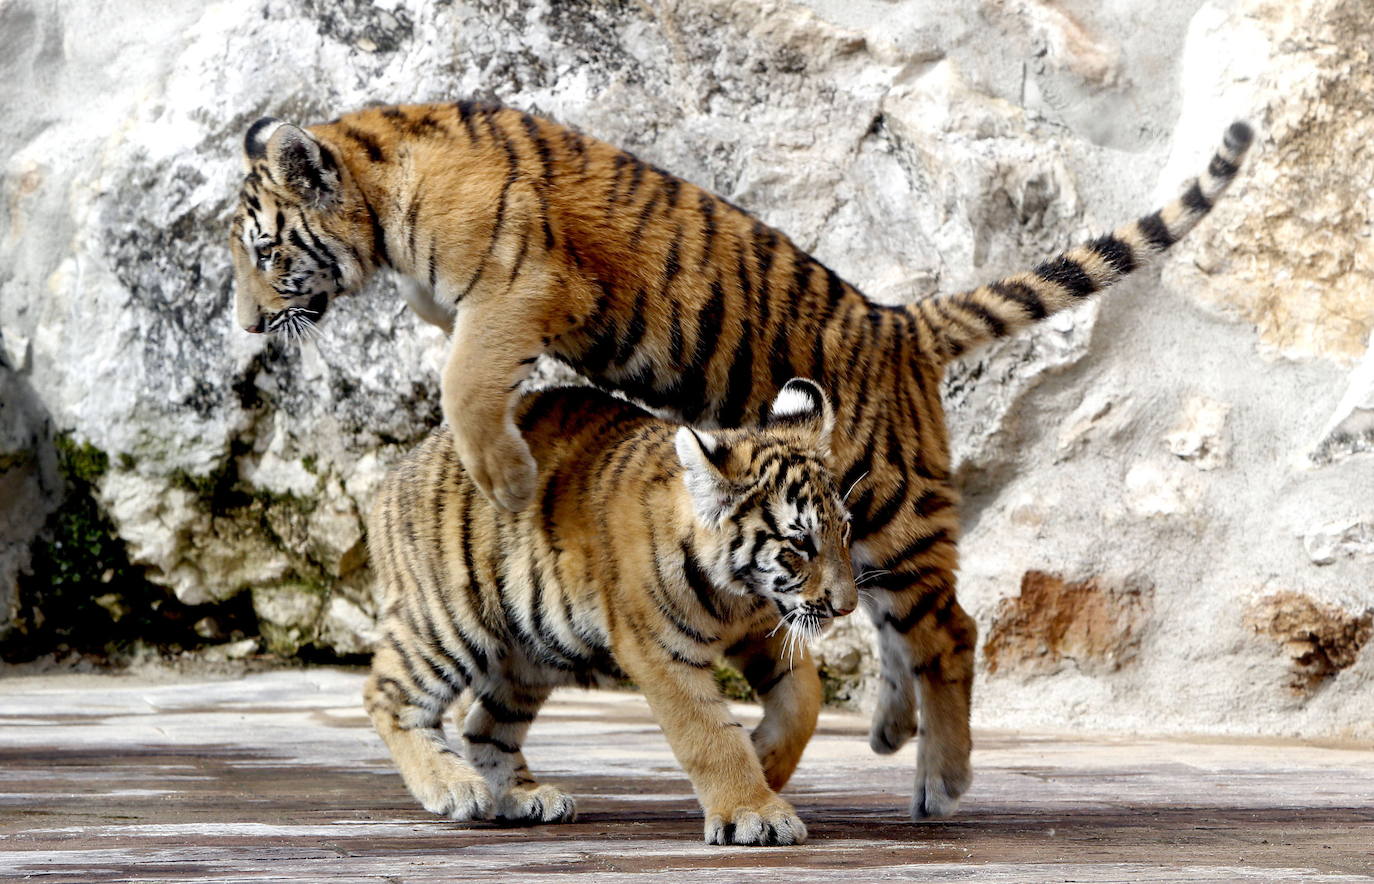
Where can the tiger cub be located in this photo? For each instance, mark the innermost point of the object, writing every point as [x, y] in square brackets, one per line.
[524, 237]
[654, 550]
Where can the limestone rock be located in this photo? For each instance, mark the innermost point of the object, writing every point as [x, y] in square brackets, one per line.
[1094, 626]
[1200, 435]
[1351, 428]
[288, 614]
[1344, 539]
[1319, 640]
[1293, 250]
[28, 483]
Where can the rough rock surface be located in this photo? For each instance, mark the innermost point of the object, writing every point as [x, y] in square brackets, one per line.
[1053, 624]
[1206, 428]
[1320, 640]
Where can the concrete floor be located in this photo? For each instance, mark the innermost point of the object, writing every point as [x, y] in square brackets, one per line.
[278, 776]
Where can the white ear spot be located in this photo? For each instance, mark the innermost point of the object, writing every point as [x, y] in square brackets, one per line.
[704, 482]
[794, 401]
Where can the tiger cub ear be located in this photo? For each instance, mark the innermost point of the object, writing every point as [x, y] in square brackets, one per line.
[802, 404]
[294, 158]
[703, 457]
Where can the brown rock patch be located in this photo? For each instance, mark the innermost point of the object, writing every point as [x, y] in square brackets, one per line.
[1320, 640]
[1095, 626]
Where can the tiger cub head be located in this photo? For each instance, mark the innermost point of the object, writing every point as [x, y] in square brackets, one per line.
[298, 215]
[770, 503]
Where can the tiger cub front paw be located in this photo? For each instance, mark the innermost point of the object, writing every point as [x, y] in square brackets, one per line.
[774, 823]
[449, 788]
[502, 469]
[536, 804]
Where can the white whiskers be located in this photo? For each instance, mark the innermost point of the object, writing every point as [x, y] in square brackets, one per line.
[295, 325]
[802, 627]
[845, 498]
[866, 576]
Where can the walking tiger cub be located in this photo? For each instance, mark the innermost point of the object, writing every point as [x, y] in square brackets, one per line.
[654, 550]
[524, 237]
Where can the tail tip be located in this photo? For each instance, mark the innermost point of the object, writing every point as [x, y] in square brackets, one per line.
[1238, 136]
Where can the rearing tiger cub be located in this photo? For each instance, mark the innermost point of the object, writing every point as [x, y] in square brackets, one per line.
[524, 237]
[655, 549]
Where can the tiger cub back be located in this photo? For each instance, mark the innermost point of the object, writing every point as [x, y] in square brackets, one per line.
[653, 551]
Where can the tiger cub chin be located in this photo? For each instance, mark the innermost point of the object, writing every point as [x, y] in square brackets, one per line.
[652, 551]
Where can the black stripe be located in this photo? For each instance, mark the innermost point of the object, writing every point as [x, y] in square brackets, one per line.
[491, 243]
[917, 547]
[330, 261]
[1154, 229]
[412, 217]
[693, 384]
[541, 146]
[379, 251]
[636, 177]
[918, 612]
[294, 237]
[1220, 167]
[634, 331]
[739, 384]
[484, 740]
[472, 584]
[1068, 273]
[954, 327]
[876, 522]
[643, 220]
[701, 585]
[502, 713]
[466, 109]
[433, 269]
[1196, 200]
[520, 257]
[416, 681]
[1114, 252]
[1023, 295]
[688, 661]
[618, 162]
[366, 142]
[930, 502]
[996, 327]
[706, 206]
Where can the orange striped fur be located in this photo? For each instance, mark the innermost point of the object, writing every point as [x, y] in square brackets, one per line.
[524, 237]
[653, 550]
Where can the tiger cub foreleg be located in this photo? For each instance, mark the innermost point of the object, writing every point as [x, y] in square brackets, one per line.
[493, 733]
[490, 353]
[789, 688]
[508, 310]
[406, 699]
[924, 632]
[711, 747]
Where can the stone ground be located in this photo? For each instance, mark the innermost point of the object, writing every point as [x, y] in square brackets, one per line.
[278, 776]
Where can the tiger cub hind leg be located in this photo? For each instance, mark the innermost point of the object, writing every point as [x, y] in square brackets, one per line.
[494, 731]
[407, 715]
[927, 643]
[789, 689]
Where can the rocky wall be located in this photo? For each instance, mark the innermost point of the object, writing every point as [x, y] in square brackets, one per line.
[1169, 493]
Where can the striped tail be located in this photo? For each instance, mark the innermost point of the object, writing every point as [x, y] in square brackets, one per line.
[963, 321]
